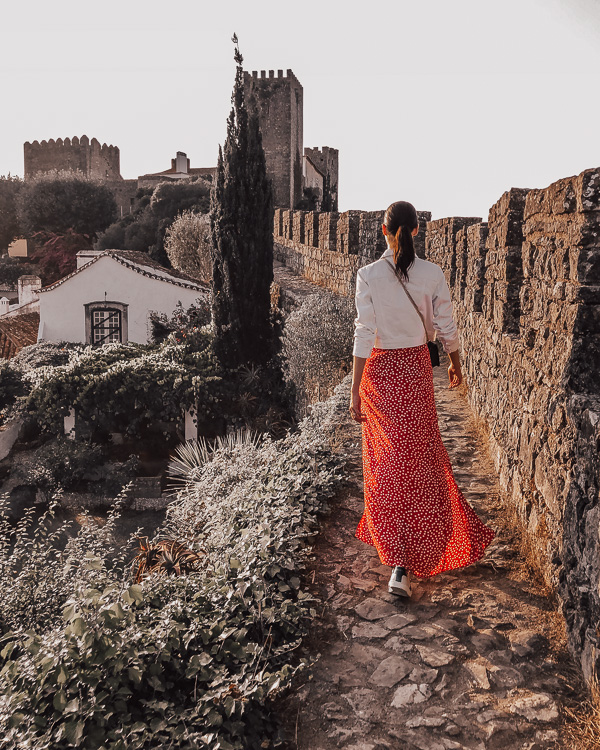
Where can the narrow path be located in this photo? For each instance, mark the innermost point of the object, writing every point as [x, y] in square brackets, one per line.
[475, 660]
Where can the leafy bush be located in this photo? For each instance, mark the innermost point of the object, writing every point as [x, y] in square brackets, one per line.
[134, 231]
[10, 187]
[41, 565]
[188, 244]
[317, 346]
[187, 662]
[11, 386]
[125, 388]
[61, 201]
[146, 227]
[171, 198]
[56, 254]
[184, 325]
[12, 268]
[62, 463]
[65, 464]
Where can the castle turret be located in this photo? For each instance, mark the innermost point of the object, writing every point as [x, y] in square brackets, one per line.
[279, 102]
[100, 162]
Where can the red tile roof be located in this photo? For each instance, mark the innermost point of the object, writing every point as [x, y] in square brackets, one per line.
[16, 332]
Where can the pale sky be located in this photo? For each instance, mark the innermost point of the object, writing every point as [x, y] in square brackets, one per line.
[445, 103]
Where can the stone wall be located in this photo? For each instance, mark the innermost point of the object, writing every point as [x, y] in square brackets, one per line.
[526, 295]
[124, 192]
[97, 161]
[327, 248]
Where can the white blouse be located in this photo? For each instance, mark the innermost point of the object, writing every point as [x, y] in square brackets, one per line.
[386, 317]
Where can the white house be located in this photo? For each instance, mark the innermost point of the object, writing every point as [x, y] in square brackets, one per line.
[110, 296]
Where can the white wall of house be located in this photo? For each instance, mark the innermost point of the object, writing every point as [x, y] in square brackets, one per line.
[62, 309]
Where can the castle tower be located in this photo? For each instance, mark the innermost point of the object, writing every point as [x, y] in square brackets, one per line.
[279, 101]
[97, 161]
[326, 160]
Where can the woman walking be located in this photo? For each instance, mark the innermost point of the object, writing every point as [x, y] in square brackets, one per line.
[415, 515]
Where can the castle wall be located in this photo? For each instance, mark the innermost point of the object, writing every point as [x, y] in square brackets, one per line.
[124, 192]
[96, 161]
[530, 342]
[279, 101]
[526, 297]
[327, 248]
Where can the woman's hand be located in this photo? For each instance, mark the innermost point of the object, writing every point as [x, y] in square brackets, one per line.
[454, 371]
[455, 375]
[358, 366]
[355, 407]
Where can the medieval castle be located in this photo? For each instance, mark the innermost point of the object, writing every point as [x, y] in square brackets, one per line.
[302, 177]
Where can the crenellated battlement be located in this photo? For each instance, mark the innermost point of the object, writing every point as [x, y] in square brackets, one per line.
[328, 247]
[77, 154]
[266, 75]
[323, 151]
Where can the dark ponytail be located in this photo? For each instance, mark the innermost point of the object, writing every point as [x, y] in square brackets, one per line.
[400, 219]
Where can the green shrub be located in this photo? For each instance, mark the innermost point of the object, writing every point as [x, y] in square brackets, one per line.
[62, 201]
[145, 228]
[194, 661]
[188, 245]
[12, 268]
[317, 346]
[186, 325]
[42, 563]
[66, 464]
[11, 387]
[125, 387]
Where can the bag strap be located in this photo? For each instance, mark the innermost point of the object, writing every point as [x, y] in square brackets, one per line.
[409, 297]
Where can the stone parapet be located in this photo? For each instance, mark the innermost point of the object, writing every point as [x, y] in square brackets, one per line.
[526, 298]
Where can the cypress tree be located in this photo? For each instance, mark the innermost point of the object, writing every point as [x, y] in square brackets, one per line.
[241, 218]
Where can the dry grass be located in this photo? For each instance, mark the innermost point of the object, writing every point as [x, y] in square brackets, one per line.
[582, 732]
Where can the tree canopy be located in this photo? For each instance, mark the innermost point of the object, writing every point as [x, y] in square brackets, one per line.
[61, 202]
[154, 212]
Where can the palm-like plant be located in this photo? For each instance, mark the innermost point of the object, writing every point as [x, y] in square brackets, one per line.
[166, 557]
[193, 454]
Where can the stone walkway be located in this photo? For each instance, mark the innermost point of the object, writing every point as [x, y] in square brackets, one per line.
[475, 660]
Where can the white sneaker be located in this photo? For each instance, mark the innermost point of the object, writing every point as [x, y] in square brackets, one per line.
[400, 582]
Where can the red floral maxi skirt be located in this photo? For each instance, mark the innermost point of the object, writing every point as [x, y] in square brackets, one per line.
[415, 515]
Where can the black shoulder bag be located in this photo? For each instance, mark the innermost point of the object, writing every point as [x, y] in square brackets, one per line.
[431, 345]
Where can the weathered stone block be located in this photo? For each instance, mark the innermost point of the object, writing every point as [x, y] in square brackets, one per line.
[328, 230]
[347, 232]
[298, 226]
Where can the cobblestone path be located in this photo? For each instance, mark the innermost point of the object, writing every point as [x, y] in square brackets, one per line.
[475, 660]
